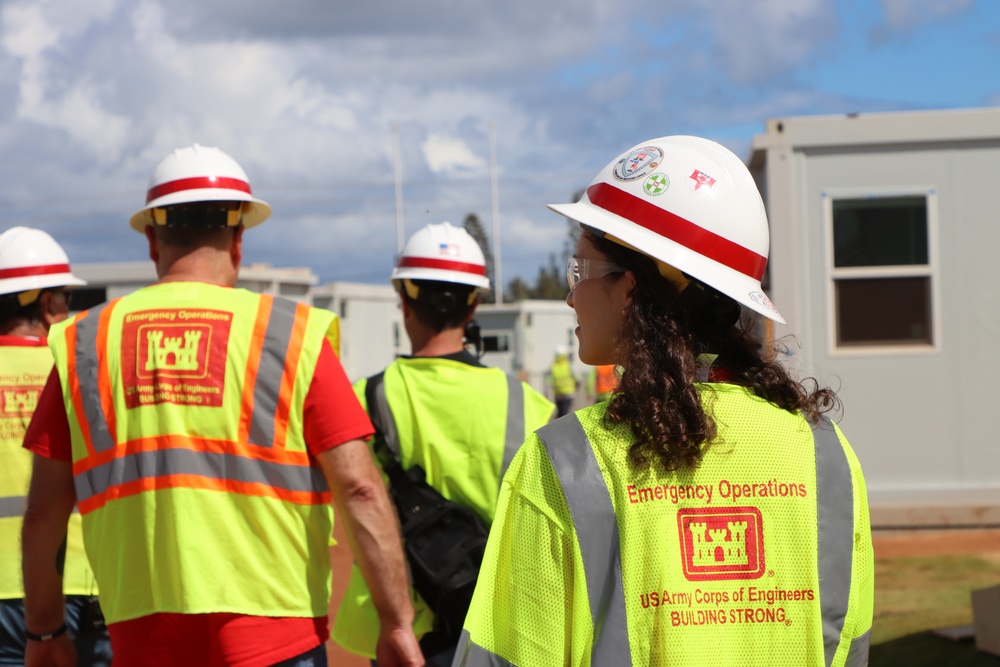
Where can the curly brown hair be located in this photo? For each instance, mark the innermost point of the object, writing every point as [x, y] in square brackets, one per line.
[665, 331]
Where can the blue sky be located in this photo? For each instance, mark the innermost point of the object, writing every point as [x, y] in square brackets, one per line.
[303, 94]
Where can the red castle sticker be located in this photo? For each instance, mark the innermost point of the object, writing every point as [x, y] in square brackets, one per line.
[721, 544]
[175, 356]
[18, 400]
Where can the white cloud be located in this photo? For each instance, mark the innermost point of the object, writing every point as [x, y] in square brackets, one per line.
[446, 154]
[33, 33]
[907, 14]
[764, 38]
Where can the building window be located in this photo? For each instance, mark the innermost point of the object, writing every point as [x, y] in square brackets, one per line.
[496, 343]
[882, 271]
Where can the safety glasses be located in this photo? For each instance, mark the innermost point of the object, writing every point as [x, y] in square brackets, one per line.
[583, 269]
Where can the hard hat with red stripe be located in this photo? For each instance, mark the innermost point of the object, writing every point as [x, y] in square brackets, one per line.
[200, 174]
[31, 260]
[444, 253]
[689, 203]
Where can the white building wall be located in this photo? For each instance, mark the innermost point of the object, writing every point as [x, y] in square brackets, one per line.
[918, 418]
[371, 325]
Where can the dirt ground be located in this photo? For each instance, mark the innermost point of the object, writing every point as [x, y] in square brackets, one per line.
[901, 543]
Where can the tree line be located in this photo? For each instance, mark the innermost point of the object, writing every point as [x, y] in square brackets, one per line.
[548, 283]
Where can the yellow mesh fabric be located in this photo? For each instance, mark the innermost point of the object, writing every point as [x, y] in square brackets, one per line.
[861, 606]
[745, 593]
[531, 606]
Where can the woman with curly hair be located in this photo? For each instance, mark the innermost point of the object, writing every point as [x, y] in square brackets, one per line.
[709, 512]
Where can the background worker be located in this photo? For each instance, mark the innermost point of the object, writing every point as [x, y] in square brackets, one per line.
[207, 429]
[601, 382]
[34, 276]
[457, 419]
[684, 522]
[562, 381]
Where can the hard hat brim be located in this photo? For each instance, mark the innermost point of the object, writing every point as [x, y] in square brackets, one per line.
[737, 286]
[440, 275]
[256, 212]
[16, 285]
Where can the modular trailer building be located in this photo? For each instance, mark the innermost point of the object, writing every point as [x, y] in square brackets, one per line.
[884, 237]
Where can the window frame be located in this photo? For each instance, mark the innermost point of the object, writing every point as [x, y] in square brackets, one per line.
[931, 271]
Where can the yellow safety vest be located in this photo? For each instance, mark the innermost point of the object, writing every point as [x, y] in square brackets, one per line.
[197, 492]
[462, 424]
[23, 372]
[561, 378]
[761, 556]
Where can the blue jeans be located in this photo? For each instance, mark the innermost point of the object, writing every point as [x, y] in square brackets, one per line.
[85, 623]
[312, 658]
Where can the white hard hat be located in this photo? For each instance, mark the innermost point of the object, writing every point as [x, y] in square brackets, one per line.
[199, 174]
[445, 253]
[30, 259]
[690, 203]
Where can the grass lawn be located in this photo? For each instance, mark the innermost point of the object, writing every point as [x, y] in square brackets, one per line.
[919, 593]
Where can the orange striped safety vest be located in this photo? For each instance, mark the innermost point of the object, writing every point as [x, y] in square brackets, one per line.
[197, 492]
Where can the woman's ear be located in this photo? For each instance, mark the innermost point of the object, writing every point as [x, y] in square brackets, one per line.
[628, 279]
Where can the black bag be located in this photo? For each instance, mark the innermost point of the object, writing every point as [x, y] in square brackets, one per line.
[443, 541]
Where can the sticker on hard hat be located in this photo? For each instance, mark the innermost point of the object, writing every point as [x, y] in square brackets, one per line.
[638, 163]
[656, 184]
[761, 298]
[699, 179]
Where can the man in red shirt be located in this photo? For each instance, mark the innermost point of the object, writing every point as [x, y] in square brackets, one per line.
[202, 431]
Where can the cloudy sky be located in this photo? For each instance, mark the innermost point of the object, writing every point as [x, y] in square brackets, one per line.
[304, 94]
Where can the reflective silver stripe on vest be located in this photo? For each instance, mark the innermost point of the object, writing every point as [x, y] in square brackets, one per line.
[267, 383]
[12, 506]
[858, 655]
[471, 655]
[87, 369]
[835, 527]
[596, 526]
[229, 467]
[388, 424]
[514, 435]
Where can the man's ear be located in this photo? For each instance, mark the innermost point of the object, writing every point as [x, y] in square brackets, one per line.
[154, 247]
[236, 248]
[51, 310]
[472, 310]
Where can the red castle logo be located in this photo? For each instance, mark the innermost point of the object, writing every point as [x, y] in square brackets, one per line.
[717, 544]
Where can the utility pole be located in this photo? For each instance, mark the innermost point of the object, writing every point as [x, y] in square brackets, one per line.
[495, 215]
[397, 170]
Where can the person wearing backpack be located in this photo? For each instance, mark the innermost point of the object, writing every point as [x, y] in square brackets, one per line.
[442, 410]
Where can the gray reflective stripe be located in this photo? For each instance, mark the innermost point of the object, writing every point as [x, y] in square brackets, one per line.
[514, 435]
[12, 506]
[471, 655]
[596, 526]
[388, 424]
[858, 655]
[835, 527]
[229, 467]
[267, 383]
[87, 369]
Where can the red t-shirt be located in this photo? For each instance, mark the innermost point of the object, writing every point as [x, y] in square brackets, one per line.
[233, 640]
